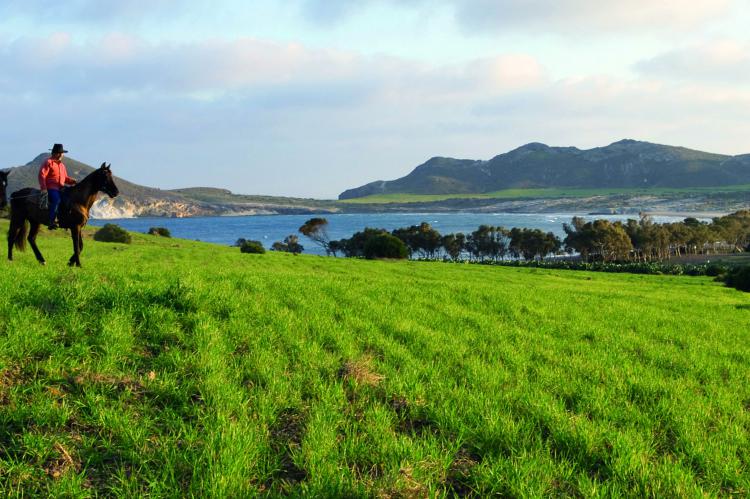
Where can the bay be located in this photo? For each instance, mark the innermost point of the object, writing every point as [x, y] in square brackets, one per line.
[270, 228]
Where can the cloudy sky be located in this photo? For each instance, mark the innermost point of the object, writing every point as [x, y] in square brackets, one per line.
[310, 97]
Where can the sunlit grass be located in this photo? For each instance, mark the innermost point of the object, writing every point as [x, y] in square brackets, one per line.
[169, 367]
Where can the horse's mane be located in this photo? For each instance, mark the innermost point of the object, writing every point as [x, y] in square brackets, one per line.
[88, 178]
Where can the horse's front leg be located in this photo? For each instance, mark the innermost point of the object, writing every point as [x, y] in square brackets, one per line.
[11, 240]
[75, 234]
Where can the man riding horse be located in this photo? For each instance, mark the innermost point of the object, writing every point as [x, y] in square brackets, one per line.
[27, 215]
[52, 178]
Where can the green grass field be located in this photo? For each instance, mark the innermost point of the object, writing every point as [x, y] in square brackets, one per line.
[174, 368]
[540, 194]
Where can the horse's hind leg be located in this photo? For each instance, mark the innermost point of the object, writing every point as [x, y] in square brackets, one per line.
[33, 231]
[13, 233]
[11, 239]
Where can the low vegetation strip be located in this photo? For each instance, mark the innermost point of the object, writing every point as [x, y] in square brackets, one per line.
[652, 268]
[167, 367]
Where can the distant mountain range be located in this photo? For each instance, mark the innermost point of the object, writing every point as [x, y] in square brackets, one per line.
[623, 164]
[140, 201]
[648, 170]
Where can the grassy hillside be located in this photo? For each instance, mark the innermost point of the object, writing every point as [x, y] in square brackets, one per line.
[170, 367]
[26, 176]
[138, 200]
[543, 194]
[224, 196]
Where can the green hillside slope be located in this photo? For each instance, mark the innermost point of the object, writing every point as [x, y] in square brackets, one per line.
[26, 176]
[741, 191]
[139, 200]
[176, 368]
[627, 164]
[225, 196]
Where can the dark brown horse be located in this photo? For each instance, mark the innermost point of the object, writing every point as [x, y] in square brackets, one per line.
[3, 186]
[73, 212]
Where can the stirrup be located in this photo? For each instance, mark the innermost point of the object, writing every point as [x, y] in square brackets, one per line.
[53, 226]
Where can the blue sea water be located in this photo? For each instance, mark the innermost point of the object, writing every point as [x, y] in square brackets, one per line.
[270, 228]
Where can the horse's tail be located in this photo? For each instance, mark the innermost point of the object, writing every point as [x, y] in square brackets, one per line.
[18, 230]
[19, 212]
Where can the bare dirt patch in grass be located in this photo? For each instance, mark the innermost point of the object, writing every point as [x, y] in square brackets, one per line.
[406, 486]
[361, 372]
[412, 419]
[286, 437]
[458, 477]
[564, 488]
[63, 463]
[135, 386]
[9, 377]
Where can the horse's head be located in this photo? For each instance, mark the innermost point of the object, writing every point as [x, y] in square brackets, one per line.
[105, 182]
[3, 185]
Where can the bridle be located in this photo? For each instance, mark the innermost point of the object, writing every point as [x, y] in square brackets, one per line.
[107, 188]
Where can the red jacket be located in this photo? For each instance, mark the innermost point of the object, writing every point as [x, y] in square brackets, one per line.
[53, 175]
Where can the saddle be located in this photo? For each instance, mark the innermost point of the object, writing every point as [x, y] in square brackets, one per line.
[63, 209]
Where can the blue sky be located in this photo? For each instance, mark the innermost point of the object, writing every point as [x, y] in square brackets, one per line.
[310, 97]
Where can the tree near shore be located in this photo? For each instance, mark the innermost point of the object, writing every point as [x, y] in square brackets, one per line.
[454, 245]
[488, 242]
[421, 239]
[600, 239]
[533, 244]
[316, 229]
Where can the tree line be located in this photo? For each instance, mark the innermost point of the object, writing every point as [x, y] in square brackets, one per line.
[644, 240]
[600, 240]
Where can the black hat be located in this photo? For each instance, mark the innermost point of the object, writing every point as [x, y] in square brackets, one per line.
[57, 148]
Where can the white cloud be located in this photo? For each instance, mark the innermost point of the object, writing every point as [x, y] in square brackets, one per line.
[568, 16]
[287, 119]
[586, 15]
[290, 105]
[93, 11]
[118, 63]
[720, 61]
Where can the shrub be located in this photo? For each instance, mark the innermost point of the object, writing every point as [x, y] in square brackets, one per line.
[159, 231]
[715, 269]
[385, 246]
[290, 245]
[112, 233]
[739, 278]
[249, 246]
